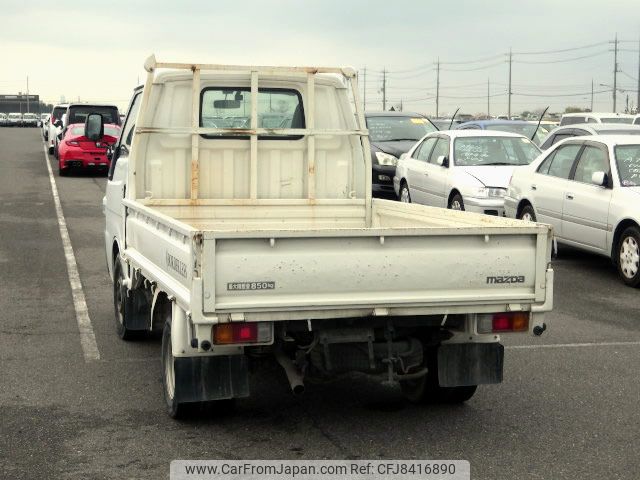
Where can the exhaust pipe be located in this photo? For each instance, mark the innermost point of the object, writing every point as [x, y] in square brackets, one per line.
[296, 379]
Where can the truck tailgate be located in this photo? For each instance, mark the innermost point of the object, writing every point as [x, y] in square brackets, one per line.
[372, 268]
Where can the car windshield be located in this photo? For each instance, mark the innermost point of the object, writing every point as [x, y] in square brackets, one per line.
[487, 151]
[628, 161]
[397, 128]
[525, 129]
[617, 120]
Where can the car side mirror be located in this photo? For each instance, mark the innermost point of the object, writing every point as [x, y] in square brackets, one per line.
[403, 156]
[58, 123]
[94, 127]
[599, 178]
[443, 161]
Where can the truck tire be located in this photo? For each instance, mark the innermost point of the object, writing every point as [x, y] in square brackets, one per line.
[527, 214]
[629, 256]
[174, 408]
[456, 202]
[426, 390]
[119, 302]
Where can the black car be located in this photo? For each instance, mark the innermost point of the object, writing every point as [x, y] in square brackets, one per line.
[391, 134]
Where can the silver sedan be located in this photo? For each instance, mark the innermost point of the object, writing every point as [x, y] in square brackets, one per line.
[588, 189]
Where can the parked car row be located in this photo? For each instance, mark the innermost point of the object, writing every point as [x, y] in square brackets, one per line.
[587, 185]
[19, 119]
[63, 133]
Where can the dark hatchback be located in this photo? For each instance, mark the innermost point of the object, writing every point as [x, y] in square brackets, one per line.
[391, 134]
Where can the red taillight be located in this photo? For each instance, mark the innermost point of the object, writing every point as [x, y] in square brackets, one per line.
[51, 120]
[503, 322]
[230, 333]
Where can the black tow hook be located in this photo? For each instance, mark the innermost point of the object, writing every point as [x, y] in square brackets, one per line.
[539, 329]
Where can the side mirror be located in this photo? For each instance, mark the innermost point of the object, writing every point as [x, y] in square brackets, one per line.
[110, 152]
[58, 123]
[94, 127]
[443, 161]
[403, 156]
[599, 178]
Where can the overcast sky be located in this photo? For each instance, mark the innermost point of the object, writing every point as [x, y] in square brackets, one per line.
[95, 50]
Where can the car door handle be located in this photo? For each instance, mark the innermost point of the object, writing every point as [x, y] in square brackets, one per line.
[533, 187]
[569, 196]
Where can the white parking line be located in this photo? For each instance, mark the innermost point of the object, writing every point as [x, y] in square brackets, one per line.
[574, 345]
[87, 337]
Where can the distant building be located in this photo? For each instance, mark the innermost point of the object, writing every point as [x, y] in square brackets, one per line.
[22, 103]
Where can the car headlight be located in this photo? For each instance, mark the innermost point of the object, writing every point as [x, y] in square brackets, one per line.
[386, 159]
[488, 192]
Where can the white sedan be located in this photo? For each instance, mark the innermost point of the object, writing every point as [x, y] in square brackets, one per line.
[588, 189]
[462, 169]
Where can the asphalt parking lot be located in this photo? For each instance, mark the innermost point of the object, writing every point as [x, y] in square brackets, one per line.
[569, 406]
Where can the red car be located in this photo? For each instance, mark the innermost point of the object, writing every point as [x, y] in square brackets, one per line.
[77, 151]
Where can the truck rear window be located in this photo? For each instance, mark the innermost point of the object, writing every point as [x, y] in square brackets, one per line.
[231, 108]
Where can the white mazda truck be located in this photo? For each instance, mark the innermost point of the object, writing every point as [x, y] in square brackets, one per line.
[245, 242]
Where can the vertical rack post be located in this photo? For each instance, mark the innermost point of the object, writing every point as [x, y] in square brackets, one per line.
[311, 139]
[253, 177]
[366, 150]
[141, 121]
[195, 138]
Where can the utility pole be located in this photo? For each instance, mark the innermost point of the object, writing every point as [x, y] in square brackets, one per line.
[615, 71]
[384, 90]
[364, 89]
[27, 93]
[592, 94]
[401, 104]
[438, 88]
[510, 61]
[488, 96]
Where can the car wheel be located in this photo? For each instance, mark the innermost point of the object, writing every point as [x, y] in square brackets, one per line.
[50, 150]
[405, 196]
[456, 202]
[427, 388]
[527, 214]
[629, 256]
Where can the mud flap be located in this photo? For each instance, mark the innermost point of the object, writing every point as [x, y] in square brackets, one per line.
[137, 311]
[201, 379]
[463, 364]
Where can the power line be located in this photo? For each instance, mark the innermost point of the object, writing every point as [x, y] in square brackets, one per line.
[485, 67]
[480, 60]
[563, 60]
[572, 49]
[559, 95]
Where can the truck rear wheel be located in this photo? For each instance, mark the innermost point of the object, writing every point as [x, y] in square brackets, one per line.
[175, 388]
[428, 390]
[175, 409]
[119, 304]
